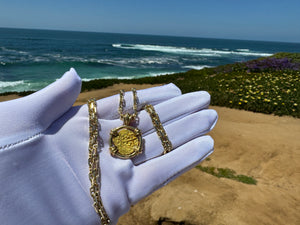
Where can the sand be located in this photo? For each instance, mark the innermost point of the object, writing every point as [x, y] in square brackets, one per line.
[111, 90]
[265, 147]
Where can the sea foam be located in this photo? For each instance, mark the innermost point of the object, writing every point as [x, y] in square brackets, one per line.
[4, 84]
[196, 67]
[4, 49]
[189, 51]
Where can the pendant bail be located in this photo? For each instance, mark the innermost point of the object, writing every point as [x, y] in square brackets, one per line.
[127, 119]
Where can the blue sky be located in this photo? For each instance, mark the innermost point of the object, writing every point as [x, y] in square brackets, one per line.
[271, 20]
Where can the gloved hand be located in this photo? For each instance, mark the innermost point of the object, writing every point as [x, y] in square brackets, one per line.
[44, 152]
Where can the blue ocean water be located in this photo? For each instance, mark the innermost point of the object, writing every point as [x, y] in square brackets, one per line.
[31, 59]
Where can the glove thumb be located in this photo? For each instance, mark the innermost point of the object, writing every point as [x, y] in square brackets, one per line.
[23, 118]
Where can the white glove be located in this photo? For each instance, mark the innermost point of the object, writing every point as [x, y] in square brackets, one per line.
[44, 152]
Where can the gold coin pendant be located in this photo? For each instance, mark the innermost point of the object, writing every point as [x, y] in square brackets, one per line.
[125, 142]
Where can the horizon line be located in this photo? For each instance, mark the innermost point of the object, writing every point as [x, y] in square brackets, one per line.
[163, 35]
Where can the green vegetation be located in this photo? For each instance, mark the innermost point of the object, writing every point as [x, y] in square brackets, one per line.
[22, 93]
[268, 85]
[227, 173]
[295, 57]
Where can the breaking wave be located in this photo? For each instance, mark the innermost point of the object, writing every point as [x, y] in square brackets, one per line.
[190, 51]
[5, 84]
[195, 67]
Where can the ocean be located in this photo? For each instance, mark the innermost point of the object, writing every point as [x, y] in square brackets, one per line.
[31, 59]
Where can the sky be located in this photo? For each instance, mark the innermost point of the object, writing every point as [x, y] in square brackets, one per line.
[269, 20]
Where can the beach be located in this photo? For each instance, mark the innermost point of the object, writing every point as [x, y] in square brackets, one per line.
[265, 147]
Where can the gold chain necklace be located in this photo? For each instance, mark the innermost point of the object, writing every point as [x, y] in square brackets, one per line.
[166, 143]
[94, 169]
[126, 140]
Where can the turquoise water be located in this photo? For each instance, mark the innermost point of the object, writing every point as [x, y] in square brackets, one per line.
[31, 59]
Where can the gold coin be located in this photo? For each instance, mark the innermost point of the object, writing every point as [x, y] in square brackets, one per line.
[125, 142]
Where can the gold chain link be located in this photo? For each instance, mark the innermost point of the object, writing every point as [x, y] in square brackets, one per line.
[93, 161]
[166, 143]
[127, 118]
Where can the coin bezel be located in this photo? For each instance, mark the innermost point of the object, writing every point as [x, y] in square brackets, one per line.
[114, 149]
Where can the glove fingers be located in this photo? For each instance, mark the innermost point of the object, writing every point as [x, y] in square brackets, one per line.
[159, 171]
[108, 107]
[179, 133]
[174, 109]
